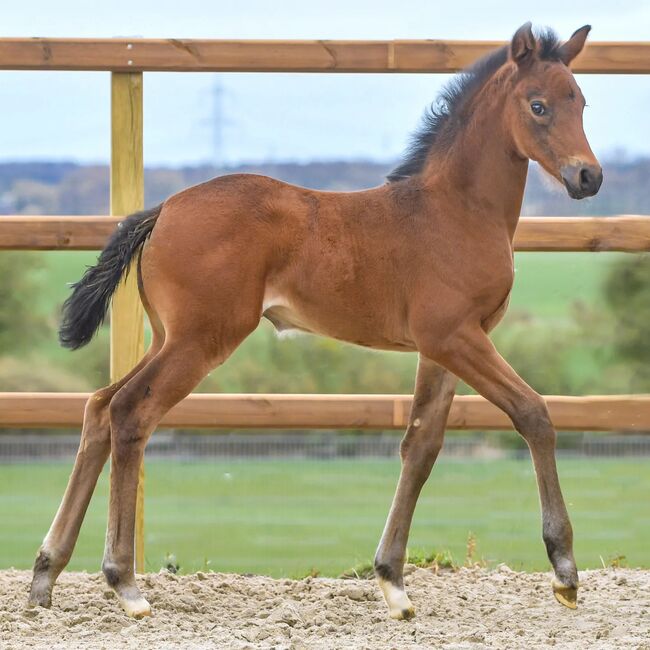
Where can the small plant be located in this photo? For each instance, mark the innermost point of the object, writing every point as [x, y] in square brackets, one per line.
[470, 560]
[470, 549]
[170, 563]
[435, 561]
[614, 562]
[311, 573]
[363, 571]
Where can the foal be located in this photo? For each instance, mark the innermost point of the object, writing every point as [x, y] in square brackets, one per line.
[423, 263]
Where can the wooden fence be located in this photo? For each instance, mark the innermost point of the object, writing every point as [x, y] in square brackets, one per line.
[127, 59]
[183, 55]
[628, 233]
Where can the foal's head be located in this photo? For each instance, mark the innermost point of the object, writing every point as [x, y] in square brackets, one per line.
[545, 110]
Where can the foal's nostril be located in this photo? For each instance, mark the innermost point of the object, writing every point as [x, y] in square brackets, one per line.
[586, 178]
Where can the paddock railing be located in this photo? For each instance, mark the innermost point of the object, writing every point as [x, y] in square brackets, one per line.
[623, 233]
[127, 59]
[196, 55]
[303, 411]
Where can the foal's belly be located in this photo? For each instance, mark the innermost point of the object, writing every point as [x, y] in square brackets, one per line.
[286, 315]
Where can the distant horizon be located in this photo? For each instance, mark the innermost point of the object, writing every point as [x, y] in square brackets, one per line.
[620, 156]
[206, 163]
[69, 187]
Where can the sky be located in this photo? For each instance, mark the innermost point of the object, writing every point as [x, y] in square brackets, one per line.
[281, 117]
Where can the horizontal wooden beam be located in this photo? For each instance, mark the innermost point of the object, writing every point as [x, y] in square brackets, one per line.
[628, 233]
[46, 233]
[625, 233]
[184, 55]
[259, 411]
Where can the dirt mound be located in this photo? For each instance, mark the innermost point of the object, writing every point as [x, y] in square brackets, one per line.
[469, 609]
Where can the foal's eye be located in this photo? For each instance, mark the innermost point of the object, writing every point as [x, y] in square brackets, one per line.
[538, 108]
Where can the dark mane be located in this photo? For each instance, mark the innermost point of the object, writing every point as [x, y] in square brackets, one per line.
[443, 118]
[549, 45]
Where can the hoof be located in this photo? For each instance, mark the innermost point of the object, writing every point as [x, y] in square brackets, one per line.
[400, 607]
[567, 596]
[405, 614]
[39, 601]
[40, 594]
[138, 608]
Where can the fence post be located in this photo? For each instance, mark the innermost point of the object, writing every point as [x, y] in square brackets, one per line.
[127, 196]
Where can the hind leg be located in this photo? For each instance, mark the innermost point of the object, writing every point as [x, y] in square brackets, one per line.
[134, 413]
[434, 392]
[94, 448]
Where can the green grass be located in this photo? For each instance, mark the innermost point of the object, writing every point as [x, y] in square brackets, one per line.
[549, 285]
[285, 518]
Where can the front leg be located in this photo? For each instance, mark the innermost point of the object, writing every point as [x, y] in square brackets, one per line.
[434, 392]
[472, 357]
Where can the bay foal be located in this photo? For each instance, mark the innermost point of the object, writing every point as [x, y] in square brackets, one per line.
[423, 263]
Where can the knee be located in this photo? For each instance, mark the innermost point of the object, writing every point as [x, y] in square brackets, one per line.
[420, 444]
[531, 419]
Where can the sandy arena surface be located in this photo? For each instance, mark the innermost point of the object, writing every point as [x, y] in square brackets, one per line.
[468, 609]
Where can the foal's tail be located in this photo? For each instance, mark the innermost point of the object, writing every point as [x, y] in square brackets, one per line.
[85, 310]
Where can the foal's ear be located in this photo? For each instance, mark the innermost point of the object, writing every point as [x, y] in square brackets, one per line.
[570, 50]
[523, 45]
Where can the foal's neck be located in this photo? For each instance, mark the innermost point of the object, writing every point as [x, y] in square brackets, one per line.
[484, 168]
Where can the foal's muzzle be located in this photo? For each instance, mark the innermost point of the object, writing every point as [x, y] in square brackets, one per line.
[582, 180]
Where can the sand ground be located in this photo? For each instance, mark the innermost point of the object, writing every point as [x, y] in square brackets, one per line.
[467, 609]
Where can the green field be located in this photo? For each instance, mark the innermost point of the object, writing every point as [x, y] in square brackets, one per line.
[548, 285]
[284, 518]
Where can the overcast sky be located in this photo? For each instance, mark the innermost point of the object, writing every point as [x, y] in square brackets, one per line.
[65, 115]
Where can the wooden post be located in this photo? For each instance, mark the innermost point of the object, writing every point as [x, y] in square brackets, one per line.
[127, 196]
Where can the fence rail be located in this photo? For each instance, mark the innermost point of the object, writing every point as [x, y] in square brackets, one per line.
[627, 233]
[259, 411]
[193, 55]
